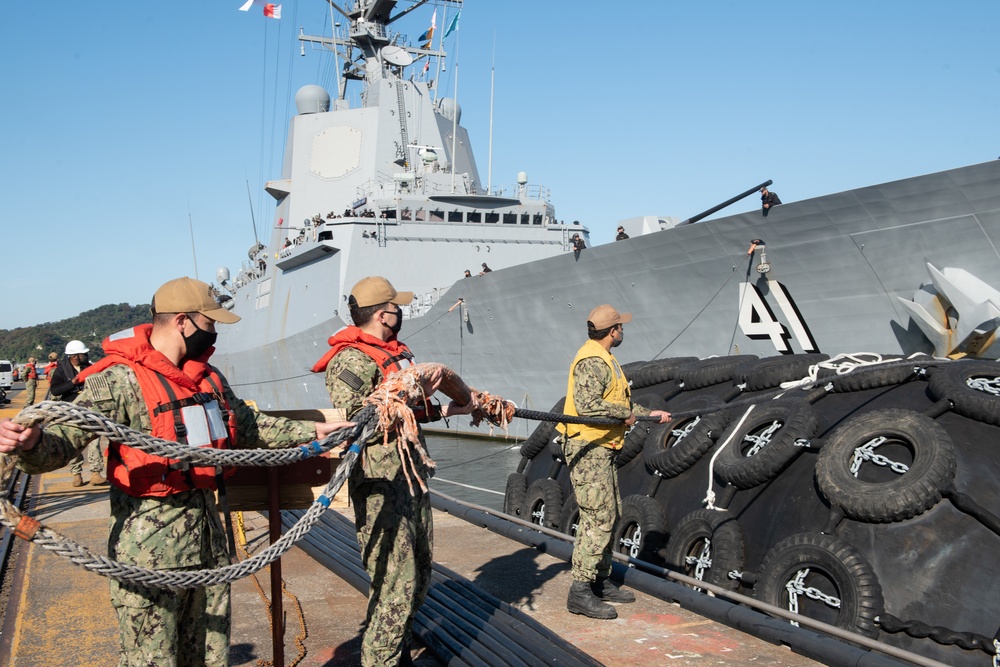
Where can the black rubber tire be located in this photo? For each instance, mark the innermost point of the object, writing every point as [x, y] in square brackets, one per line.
[872, 377]
[631, 367]
[835, 568]
[515, 493]
[797, 419]
[721, 534]
[542, 435]
[770, 372]
[660, 370]
[950, 381]
[636, 436]
[879, 495]
[671, 454]
[543, 503]
[714, 370]
[641, 530]
[570, 517]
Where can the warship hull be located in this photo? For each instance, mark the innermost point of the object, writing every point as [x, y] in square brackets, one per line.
[842, 274]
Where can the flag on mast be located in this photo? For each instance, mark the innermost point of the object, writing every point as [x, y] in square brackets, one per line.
[429, 35]
[271, 10]
[453, 25]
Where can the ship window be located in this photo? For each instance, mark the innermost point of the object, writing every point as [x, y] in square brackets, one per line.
[389, 213]
[536, 219]
[437, 216]
[405, 214]
[475, 216]
[325, 236]
[525, 219]
[454, 216]
[510, 218]
[421, 215]
[493, 218]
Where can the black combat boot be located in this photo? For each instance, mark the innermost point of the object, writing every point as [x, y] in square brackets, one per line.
[606, 590]
[583, 601]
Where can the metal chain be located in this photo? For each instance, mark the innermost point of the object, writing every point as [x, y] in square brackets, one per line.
[796, 586]
[681, 433]
[985, 385]
[866, 452]
[761, 441]
[634, 542]
[703, 561]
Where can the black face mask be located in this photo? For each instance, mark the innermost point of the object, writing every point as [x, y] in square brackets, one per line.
[395, 328]
[198, 342]
[615, 342]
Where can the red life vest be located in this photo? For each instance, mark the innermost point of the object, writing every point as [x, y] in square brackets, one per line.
[49, 369]
[186, 405]
[32, 373]
[391, 355]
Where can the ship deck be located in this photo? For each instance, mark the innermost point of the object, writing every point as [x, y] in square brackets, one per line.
[59, 613]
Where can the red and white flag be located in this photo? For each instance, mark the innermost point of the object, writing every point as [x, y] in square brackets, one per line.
[271, 10]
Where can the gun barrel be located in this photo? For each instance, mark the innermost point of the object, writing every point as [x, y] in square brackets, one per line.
[726, 203]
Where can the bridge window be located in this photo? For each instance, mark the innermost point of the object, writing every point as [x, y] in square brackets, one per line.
[437, 216]
[475, 216]
[510, 218]
[525, 219]
[493, 218]
[536, 219]
[454, 216]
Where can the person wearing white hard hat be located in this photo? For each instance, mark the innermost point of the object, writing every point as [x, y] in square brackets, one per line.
[64, 386]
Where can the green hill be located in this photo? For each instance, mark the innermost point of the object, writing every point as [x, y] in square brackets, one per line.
[90, 327]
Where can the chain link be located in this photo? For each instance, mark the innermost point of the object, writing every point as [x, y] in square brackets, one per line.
[701, 562]
[634, 542]
[681, 433]
[760, 441]
[866, 452]
[796, 586]
[996, 653]
[985, 385]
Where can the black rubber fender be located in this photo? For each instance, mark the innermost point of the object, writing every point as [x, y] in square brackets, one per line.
[669, 450]
[715, 531]
[770, 372]
[950, 381]
[543, 434]
[641, 530]
[835, 569]
[875, 376]
[515, 493]
[635, 438]
[714, 370]
[655, 372]
[877, 494]
[570, 520]
[543, 503]
[796, 420]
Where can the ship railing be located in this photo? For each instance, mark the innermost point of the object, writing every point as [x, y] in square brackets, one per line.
[423, 302]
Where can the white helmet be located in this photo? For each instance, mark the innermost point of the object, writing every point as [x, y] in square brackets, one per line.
[76, 347]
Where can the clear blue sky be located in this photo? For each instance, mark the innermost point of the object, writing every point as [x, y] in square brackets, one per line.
[122, 120]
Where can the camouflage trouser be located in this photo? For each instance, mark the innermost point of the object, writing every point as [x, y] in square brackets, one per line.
[395, 534]
[166, 628]
[95, 459]
[595, 483]
[29, 391]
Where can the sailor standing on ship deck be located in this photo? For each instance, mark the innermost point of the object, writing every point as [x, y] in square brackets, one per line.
[394, 527]
[597, 388]
[156, 379]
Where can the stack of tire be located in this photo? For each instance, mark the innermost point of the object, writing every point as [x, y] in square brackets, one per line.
[869, 501]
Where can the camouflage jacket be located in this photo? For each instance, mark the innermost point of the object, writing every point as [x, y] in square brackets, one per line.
[182, 530]
[381, 461]
[591, 379]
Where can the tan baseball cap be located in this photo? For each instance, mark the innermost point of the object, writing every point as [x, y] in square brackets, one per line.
[605, 316]
[185, 295]
[374, 290]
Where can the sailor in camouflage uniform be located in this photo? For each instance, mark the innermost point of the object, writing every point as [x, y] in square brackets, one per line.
[597, 388]
[30, 381]
[394, 527]
[167, 520]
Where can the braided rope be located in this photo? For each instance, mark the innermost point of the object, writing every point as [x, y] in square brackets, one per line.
[366, 426]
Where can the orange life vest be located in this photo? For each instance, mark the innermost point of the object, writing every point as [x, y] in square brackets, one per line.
[186, 405]
[390, 356]
[32, 373]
